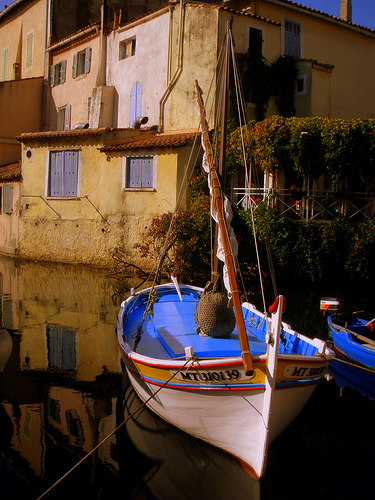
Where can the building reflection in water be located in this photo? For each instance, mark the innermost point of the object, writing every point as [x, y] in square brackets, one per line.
[60, 383]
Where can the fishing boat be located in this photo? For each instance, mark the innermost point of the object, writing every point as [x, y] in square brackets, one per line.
[353, 337]
[214, 365]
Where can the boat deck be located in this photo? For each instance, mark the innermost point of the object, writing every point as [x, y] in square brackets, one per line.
[174, 328]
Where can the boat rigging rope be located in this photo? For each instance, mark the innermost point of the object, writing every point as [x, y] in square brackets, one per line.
[152, 298]
[239, 94]
[191, 359]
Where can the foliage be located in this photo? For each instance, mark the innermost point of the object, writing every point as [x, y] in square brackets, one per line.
[337, 250]
[261, 80]
[283, 77]
[341, 150]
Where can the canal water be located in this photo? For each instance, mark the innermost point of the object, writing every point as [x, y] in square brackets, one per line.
[62, 393]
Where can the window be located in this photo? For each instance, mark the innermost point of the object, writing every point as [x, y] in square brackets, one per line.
[29, 49]
[81, 62]
[139, 172]
[301, 85]
[57, 73]
[127, 48]
[255, 41]
[63, 118]
[292, 39]
[135, 102]
[63, 174]
[8, 198]
[4, 64]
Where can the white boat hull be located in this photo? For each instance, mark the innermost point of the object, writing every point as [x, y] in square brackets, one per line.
[232, 421]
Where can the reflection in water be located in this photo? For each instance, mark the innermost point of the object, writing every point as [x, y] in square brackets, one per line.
[60, 381]
[164, 462]
[60, 390]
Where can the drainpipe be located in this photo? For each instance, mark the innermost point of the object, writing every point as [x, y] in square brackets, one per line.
[101, 75]
[45, 125]
[179, 63]
[346, 10]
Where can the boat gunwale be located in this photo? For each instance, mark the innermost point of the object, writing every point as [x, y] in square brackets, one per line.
[126, 307]
[242, 386]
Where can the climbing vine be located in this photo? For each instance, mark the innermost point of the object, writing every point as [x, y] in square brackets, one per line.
[341, 150]
[261, 80]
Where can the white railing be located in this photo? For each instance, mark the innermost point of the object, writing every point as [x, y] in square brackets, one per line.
[315, 205]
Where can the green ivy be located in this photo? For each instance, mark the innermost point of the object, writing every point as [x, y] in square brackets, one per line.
[261, 80]
[341, 150]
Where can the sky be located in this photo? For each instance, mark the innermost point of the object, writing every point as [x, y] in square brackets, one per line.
[363, 11]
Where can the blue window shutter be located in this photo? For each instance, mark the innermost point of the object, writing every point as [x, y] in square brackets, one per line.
[56, 173]
[67, 113]
[75, 66]
[147, 173]
[87, 60]
[63, 71]
[134, 173]
[8, 198]
[292, 39]
[70, 173]
[52, 76]
[135, 102]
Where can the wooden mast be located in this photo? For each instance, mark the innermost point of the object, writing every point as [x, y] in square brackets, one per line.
[218, 201]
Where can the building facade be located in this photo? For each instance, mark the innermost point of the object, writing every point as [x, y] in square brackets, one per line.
[121, 76]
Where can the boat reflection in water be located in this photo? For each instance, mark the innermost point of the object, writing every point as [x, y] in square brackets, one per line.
[349, 375]
[165, 462]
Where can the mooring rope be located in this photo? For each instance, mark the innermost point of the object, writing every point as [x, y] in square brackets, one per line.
[114, 431]
[334, 358]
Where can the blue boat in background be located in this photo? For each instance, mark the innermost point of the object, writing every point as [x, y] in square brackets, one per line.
[353, 337]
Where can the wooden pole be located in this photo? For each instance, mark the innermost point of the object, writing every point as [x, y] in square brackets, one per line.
[217, 199]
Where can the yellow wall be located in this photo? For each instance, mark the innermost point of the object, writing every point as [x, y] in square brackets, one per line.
[9, 223]
[21, 103]
[104, 216]
[330, 41]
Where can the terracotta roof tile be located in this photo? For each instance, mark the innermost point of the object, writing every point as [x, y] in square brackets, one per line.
[169, 140]
[11, 172]
[61, 134]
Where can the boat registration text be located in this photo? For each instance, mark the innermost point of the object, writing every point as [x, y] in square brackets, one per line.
[300, 371]
[221, 376]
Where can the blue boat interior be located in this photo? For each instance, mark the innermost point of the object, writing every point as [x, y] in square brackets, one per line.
[171, 328]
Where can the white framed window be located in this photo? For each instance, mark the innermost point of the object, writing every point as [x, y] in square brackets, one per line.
[63, 117]
[127, 48]
[81, 62]
[301, 85]
[4, 63]
[29, 49]
[62, 173]
[292, 39]
[57, 73]
[139, 173]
